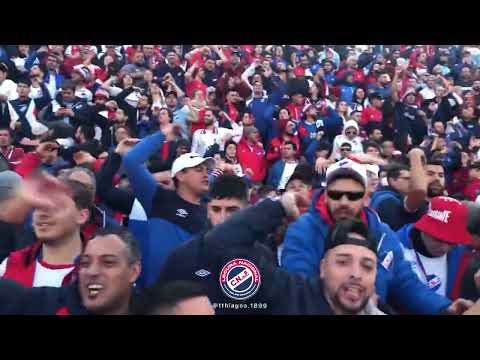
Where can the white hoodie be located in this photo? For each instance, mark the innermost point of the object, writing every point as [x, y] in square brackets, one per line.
[357, 147]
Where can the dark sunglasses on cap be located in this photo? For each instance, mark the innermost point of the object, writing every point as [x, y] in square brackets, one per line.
[351, 195]
[345, 149]
[350, 132]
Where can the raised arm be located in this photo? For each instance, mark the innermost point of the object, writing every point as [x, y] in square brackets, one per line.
[142, 182]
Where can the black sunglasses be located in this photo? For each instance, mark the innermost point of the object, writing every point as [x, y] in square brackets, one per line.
[351, 195]
[345, 149]
[350, 132]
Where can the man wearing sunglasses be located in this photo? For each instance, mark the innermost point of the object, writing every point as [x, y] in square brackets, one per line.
[343, 199]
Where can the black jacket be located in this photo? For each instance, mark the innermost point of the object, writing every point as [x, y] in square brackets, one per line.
[238, 237]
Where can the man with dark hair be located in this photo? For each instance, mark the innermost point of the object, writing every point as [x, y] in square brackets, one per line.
[11, 153]
[173, 215]
[171, 66]
[24, 109]
[68, 108]
[50, 261]
[108, 268]
[190, 261]
[346, 284]
[282, 169]
[343, 199]
[375, 134]
[388, 200]
[176, 298]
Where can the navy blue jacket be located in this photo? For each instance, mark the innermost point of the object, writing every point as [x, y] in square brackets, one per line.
[171, 220]
[282, 292]
[19, 300]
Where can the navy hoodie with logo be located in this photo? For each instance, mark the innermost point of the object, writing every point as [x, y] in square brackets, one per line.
[171, 220]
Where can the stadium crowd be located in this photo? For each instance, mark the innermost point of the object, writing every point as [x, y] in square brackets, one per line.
[239, 179]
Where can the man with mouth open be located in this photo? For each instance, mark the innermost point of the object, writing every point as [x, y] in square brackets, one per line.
[109, 266]
[50, 260]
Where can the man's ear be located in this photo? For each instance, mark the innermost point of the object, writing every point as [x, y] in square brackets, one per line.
[322, 269]
[135, 272]
[84, 216]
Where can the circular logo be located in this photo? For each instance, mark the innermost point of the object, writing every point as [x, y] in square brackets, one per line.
[240, 279]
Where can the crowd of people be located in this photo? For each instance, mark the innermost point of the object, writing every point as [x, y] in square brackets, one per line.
[239, 179]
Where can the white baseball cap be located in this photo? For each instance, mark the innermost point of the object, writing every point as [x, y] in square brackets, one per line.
[347, 168]
[190, 160]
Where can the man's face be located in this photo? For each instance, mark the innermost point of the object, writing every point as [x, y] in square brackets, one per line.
[209, 65]
[164, 117]
[143, 102]
[434, 246]
[312, 111]
[55, 224]
[5, 139]
[209, 118]
[290, 128]
[258, 88]
[384, 79]
[466, 73]
[195, 179]
[345, 151]
[377, 135]
[106, 275]
[402, 182]
[172, 58]
[327, 67]
[288, 152]
[439, 128]
[171, 101]
[253, 137]
[377, 103]
[435, 179]
[51, 63]
[357, 116]
[373, 151]
[100, 100]
[348, 273]
[148, 50]
[68, 95]
[121, 134]
[343, 208]
[297, 99]
[120, 116]
[410, 99]
[139, 59]
[219, 210]
[298, 186]
[353, 64]
[23, 90]
[351, 133]
[248, 120]
[304, 62]
[439, 91]
[388, 148]
[232, 96]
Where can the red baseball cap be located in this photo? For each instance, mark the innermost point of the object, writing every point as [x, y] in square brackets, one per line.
[446, 220]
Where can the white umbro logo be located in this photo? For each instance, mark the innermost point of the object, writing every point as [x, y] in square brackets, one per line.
[182, 213]
[202, 273]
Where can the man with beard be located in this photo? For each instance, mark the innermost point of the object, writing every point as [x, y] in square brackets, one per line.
[343, 199]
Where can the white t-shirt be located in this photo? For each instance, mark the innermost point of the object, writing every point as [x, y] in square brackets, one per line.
[427, 93]
[287, 172]
[435, 268]
[45, 274]
[9, 89]
[204, 138]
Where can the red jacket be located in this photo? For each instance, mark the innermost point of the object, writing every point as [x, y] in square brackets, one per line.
[13, 155]
[253, 158]
[295, 111]
[21, 266]
[370, 114]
